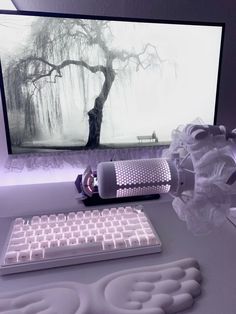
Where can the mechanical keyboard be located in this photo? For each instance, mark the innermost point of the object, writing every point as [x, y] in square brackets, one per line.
[62, 239]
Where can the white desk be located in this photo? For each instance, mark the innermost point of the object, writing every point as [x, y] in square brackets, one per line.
[216, 254]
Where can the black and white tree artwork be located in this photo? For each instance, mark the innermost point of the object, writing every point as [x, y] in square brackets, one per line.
[86, 83]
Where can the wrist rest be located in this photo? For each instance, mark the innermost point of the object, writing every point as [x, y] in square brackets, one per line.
[162, 289]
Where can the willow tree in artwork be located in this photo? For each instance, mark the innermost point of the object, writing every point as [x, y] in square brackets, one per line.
[53, 42]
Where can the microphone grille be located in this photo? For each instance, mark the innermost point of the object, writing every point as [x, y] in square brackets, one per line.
[134, 177]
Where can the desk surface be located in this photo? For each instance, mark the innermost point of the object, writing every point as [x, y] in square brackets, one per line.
[216, 254]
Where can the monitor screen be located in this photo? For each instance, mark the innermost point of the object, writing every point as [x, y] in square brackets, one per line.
[78, 82]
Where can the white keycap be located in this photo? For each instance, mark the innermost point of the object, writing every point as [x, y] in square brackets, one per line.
[44, 218]
[99, 238]
[143, 240]
[53, 243]
[29, 233]
[115, 223]
[38, 232]
[73, 250]
[19, 221]
[111, 230]
[17, 228]
[40, 238]
[90, 239]
[49, 237]
[110, 218]
[72, 241]
[102, 231]
[25, 227]
[93, 232]
[76, 234]
[61, 217]
[108, 236]
[37, 254]
[99, 225]
[52, 224]
[152, 239]
[129, 215]
[117, 235]
[19, 234]
[44, 244]
[10, 258]
[71, 216]
[120, 243]
[95, 213]
[47, 231]
[24, 256]
[113, 211]
[120, 229]
[35, 220]
[80, 215]
[34, 245]
[35, 227]
[133, 227]
[107, 224]
[81, 240]
[105, 212]
[68, 223]
[18, 247]
[56, 230]
[128, 234]
[140, 232]
[74, 228]
[148, 231]
[67, 235]
[85, 233]
[63, 243]
[65, 229]
[52, 218]
[17, 241]
[58, 236]
[108, 245]
[44, 225]
[30, 240]
[128, 209]
[94, 220]
[134, 241]
[143, 219]
[91, 226]
[121, 210]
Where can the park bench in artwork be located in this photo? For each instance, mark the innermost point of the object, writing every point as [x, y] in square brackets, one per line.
[147, 138]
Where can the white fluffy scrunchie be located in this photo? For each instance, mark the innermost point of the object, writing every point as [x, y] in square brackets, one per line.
[210, 149]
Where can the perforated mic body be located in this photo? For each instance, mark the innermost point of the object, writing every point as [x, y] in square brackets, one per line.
[135, 177]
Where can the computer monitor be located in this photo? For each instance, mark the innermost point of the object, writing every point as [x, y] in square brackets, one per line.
[83, 82]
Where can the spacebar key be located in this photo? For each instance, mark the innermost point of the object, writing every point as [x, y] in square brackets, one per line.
[73, 250]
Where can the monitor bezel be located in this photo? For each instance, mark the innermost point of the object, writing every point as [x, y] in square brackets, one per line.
[109, 18]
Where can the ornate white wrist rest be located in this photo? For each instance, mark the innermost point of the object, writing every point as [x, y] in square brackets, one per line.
[163, 289]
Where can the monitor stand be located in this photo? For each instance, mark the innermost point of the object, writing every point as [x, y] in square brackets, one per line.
[97, 200]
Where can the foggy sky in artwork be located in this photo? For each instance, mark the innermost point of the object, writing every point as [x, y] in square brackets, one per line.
[158, 98]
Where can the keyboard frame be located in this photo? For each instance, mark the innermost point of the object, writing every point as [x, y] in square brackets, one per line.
[55, 262]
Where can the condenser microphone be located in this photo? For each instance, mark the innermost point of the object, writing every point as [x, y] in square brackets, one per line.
[136, 177]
